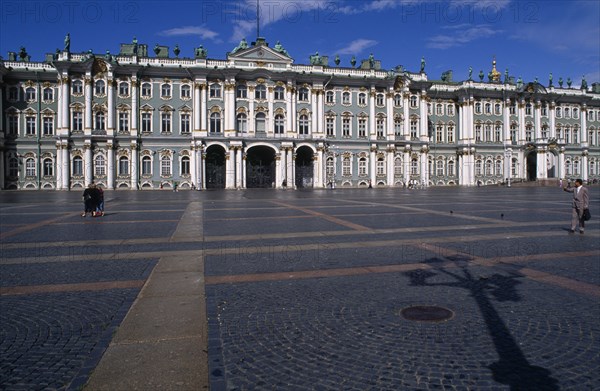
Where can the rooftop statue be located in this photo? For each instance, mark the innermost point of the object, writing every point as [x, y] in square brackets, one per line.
[279, 48]
[353, 61]
[243, 45]
[550, 79]
[371, 61]
[470, 73]
[583, 83]
[422, 64]
[200, 52]
[68, 42]
[315, 59]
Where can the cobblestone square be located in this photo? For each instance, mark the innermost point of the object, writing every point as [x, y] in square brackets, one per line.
[299, 290]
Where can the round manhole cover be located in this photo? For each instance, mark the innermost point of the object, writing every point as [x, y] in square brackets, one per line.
[427, 313]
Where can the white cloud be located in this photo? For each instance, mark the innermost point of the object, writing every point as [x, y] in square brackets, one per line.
[199, 31]
[357, 46]
[461, 35]
[273, 11]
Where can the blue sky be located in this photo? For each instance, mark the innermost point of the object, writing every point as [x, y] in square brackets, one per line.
[530, 38]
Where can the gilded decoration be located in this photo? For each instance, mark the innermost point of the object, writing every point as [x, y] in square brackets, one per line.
[99, 67]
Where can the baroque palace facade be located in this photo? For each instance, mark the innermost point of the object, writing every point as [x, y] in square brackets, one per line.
[255, 119]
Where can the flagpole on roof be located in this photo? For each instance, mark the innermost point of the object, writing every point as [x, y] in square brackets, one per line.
[257, 20]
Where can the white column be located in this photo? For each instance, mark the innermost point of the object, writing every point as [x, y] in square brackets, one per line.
[243, 176]
[64, 100]
[390, 165]
[135, 112]
[584, 132]
[584, 165]
[406, 114]
[88, 105]
[65, 166]
[373, 165]
[278, 173]
[110, 170]
[251, 122]
[423, 126]
[290, 160]
[314, 111]
[59, 172]
[320, 169]
[134, 165]
[561, 163]
[389, 107]
[270, 120]
[506, 121]
[289, 118]
[552, 119]
[88, 163]
[203, 169]
[537, 124]
[238, 168]
[542, 163]
[229, 108]
[406, 165]
[424, 167]
[372, 130]
[197, 107]
[320, 111]
[204, 109]
[111, 106]
[230, 168]
[521, 133]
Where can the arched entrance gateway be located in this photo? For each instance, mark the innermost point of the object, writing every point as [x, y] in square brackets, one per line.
[260, 167]
[532, 165]
[215, 167]
[304, 167]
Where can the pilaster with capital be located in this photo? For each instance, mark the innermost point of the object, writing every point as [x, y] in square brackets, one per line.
[87, 147]
[584, 165]
[111, 106]
[372, 126]
[135, 85]
[134, 165]
[552, 119]
[584, 130]
[537, 118]
[423, 118]
[110, 169]
[88, 104]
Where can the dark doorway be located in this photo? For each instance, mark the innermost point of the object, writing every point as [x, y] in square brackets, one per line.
[260, 167]
[532, 166]
[215, 167]
[304, 167]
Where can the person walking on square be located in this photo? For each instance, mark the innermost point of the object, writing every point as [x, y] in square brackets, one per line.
[581, 201]
[100, 206]
[89, 200]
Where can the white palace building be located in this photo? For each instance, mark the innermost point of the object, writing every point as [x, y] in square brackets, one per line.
[144, 119]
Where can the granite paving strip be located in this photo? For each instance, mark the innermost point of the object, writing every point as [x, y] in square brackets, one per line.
[324, 216]
[162, 342]
[33, 226]
[91, 286]
[260, 249]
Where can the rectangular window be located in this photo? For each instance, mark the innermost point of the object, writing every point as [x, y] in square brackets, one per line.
[165, 121]
[78, 166]
[30, 127]
[48, 126]
[362, 128]
[185, 123]
[346, 127]
[380, 126]
[124, 122]
[329, 126]
[146, 122]
[77, 124]
[12, 124]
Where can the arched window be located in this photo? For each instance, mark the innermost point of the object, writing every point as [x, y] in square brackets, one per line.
[242, 91]
[100, 165]
[413, 101]
[398, 167]
[77, 87]
[330, 168]
[330, 97]
[346, 166]
[48, 94]
[489, 168]
[414, 166]
[215, 123]
[186, 91]
[48, 166]
[380, 100]
[362, 99]
[165, 90]
[30, 167]
[13, 167]
[260, 122]
[439, 168]
[398, 100]
[100, 87]
[77, 166]
[146, 165]
[30, 94]
[123, 165]
[215, 90]
[146, 90]
[185, 165]
[123, 88]
[362, 166]
[478, 108]
[451, 166]
[165, 166]
[380, 166]
[260, 92]
[279, 93]
[303, 94]
[303, 126]
[478, 167]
